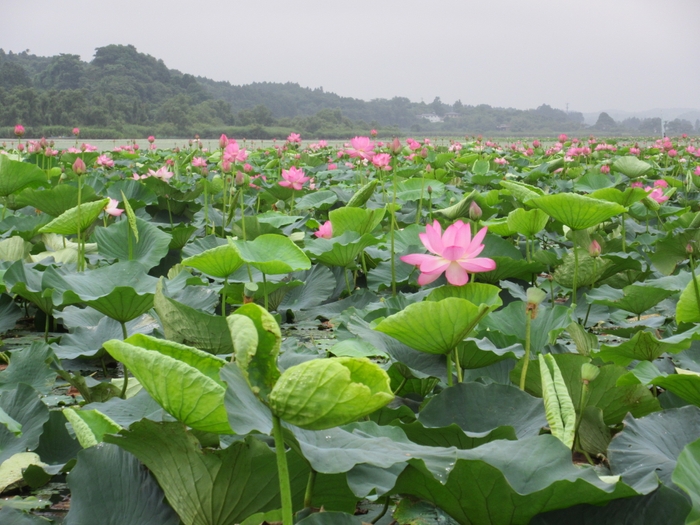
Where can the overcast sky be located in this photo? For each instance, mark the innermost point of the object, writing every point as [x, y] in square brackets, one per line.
[629, 55]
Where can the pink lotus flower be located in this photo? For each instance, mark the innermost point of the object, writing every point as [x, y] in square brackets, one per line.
[111, 208]
[325, 231]
[233, 152]
[293, 178]
[151, 139]
[382, 161]
[76, 131]
[294, 138]
[373, 132]
[19, 130]
[363, 147]
[455, 254]
[594, 248]
[562, 137]
[79, 167]
[661, 183]
[104, 160]
[636, 184]
[332, 166]
[657, 194]
[199, 162]
[162, 174]
[605, 168]
[697, 171]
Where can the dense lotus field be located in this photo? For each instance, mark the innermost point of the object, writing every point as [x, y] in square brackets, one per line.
[401, 332]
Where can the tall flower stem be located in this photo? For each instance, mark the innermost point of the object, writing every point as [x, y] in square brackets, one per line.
[458, 366]
[81, 259]
[695, 282]
[126, 370]
[624, 235]
[449, 368]
[283, 473]
[308, 495]
[392, 225]
[526, 361]
[573, 292]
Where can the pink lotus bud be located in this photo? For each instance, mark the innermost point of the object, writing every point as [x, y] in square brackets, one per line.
[43, 143]
[594, 249]
[395, 146]
[19, 130]
[79, 167]
[536, 143]
[475, 211]
[424, 153]
[605, 168]
[562, 137]
[373, 132]
[689, 248]
[223, 141]
[76, 131]
[20, 147]
[226, 166]
[240, 178]
[151, 139]
[247, 167]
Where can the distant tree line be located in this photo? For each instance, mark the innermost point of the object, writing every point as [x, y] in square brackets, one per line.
[124, 93]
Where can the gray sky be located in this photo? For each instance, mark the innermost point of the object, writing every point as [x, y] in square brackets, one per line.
[594, 54]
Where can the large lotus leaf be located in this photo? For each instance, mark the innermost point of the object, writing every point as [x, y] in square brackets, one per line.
[184, 380]
[687, 476]
[460, 209]
[507, 268]
[23, 406]
[148, 248]
[416, 188]
[544, 329]
[26, 281]
[360, 220]
[272, 254]
[614, 400]
[122, 291]
[509, 482]
[688, 309]
[318, 200]
[246, 413]
[527, 222]
[521, 191]
[133, 190]
[577, 211]
[90, 426]
[107, 477]
[61, 250]
[643, 346]
[634, 298]
[10, 313]
[184, 324]
[319, 284]
[405, 381]
[341, 250]
[15, 175]
[631, 166]
[30, 365]
[11, 516]
[219, 262]
[664, 505]
[14, 248]
[483, 408]
[478, 353]
[476, 293]
[685, 385]
[647, 448]
[324, 393]
[26, 226]
[330, 518]
[590, 269]
[55, 201]
[84, 215]
[256, 340]
[211, 487]
[125, 412]
[623, 198]
[435, 327]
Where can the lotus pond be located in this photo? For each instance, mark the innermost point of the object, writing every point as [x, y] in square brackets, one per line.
[401, 332]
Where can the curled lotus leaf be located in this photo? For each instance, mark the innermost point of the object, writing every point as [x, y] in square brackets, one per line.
[325, 393]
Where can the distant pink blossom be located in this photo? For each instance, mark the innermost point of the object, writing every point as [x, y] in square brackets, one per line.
[382, 161]
[455, 253]
[661, 183]
[634, 151]
[73, 149]
[76, 131]
[672, 153]
[373, 132]
[88, 147]
[332, 166]
[293, 178]
[151, 139]
[19, 130]
[636, 184]
[536, 143]
[500, 161]
[104, 160]
[162, 174]
[605, 169]
[413, 144]
[112, 209]
[234, 153]
[562, 137]
[325, 231]
[199, 162]
[294, 138]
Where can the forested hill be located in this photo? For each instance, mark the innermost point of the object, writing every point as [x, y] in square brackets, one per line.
[123, 93]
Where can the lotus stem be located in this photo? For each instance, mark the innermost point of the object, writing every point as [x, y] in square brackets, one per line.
[420, 201]
[526, 362]
[624, 235]
[126, 370]
[449, 369]
[308, 495]
[81, 260]
[573, 292]
[383, 511]
[691, 260]
[458, 367]
[264, 289]
[283, 472]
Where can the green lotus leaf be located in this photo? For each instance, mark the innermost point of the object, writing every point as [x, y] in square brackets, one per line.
[631, 166]
[136, 192]
[24, 406]
[15, 175]
[92, 489]
[185, 381]
[26, 281]
[475, 293]
[324, 393]
[318, 200]
[435, 327]
[460, 209]
[90, 426]
[219, 262]
[148, 247]
[521, 191]
[341, 250]
[353, 219]
[67, 222]
[527, 222]
[508, 268]
[559, 408]
[30, 365]
[576, 211]
[643, 346]
[634, 298]
[478, 353]
[256, 340]
[687, 476]
[684, 385]
[624, 198]
[57, 200]
[187, 325]
[417, 188]
[362, 195]
[272, 254]
[103, 289]
[687, 309]
[211, 487]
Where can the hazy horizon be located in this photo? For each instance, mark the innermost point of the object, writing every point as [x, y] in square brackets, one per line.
[633, 55]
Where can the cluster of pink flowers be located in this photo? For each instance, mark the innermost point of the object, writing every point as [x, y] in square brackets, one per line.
[161, 173]
[556, 148]
[635, 151]
[199, 162]
[129, 148]
[455, 146]
[501, 161]
[575, 151]
[657, 192]
[294, 138]
[605, 147]
[318, 145]
[105, 161]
